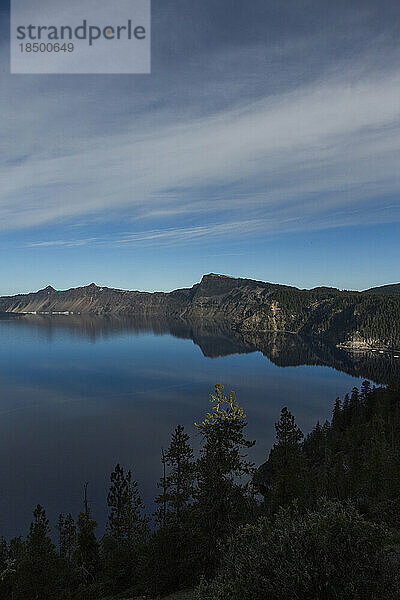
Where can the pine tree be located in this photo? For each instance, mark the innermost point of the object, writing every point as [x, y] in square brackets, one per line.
[67, 539]
[171, 549]
[181, 475]
[37, 571]
[118, 500]
[162, 499]
[365, 389]
[8, 569]
[337, 417]
[178, 485]
[223, 500]
[289, 466]
[66, 536]
[86, 555]
[127, 530]
[316, 449]
[346, 410]
[378, 460]
[16, 549]
[126, 521]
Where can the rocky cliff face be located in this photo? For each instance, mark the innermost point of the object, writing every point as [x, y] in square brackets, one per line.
[90, 299]
[216, 296]
[350, 318]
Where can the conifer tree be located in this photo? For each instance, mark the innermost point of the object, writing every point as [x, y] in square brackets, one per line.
[346, 410]
[67, 539]
[8, 569]
[181, 474]
[337, 420]
[162, 499]
[315, 448]
[12, 557]
[37, 571]
[66, 536]
[170, 550]
[222, 497]
[126, 521]
[288, 462]
[365, 389]
[378, 460]
[86, 555]
[16, 549]
[127, 530]
[178, 485]
[118, 500]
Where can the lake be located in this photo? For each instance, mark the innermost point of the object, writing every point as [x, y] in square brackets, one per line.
[79, 394]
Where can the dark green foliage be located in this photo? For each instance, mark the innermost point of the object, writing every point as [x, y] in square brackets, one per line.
[329, 553]
[127, 531]
[69, 575]
[288, 463]
[170, 551]
[162, 499]
[7, 569]
[223, 497]
[118, 501]
[86, 556]
[332, 528]
[177, 483]
[355, 457]
[363, 445]
[338, 316]
[66, 536]
[37, 567]
[187, 544]
[169, 562]
[126, 522]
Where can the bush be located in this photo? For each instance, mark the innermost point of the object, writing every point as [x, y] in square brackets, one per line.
[330, 553]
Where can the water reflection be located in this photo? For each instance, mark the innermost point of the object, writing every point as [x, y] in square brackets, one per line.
[218, 339]
[79, 394]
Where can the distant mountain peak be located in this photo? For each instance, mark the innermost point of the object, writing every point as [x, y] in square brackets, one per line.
[214, 276]
[245, 304]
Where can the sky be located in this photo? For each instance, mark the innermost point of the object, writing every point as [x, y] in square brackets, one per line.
[265, 143]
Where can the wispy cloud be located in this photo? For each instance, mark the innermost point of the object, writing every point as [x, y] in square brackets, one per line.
[61, 243]
[321, 153]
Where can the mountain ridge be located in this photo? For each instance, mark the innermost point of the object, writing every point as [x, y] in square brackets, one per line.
[384, 289]
[391, 288]
[349, 318]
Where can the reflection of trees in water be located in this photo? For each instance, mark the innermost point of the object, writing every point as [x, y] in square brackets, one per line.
[287, 350]
[217, 339]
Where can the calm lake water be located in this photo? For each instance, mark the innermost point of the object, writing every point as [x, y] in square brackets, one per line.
[80, 394]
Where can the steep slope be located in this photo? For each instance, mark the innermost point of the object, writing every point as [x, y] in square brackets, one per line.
[88, 299]
[351, 319]
[215, 296]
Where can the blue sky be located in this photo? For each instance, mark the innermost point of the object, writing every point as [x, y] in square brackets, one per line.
[265, 144]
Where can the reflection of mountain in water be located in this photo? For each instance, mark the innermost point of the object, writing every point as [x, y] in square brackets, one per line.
[217, 339]
[287, 350]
